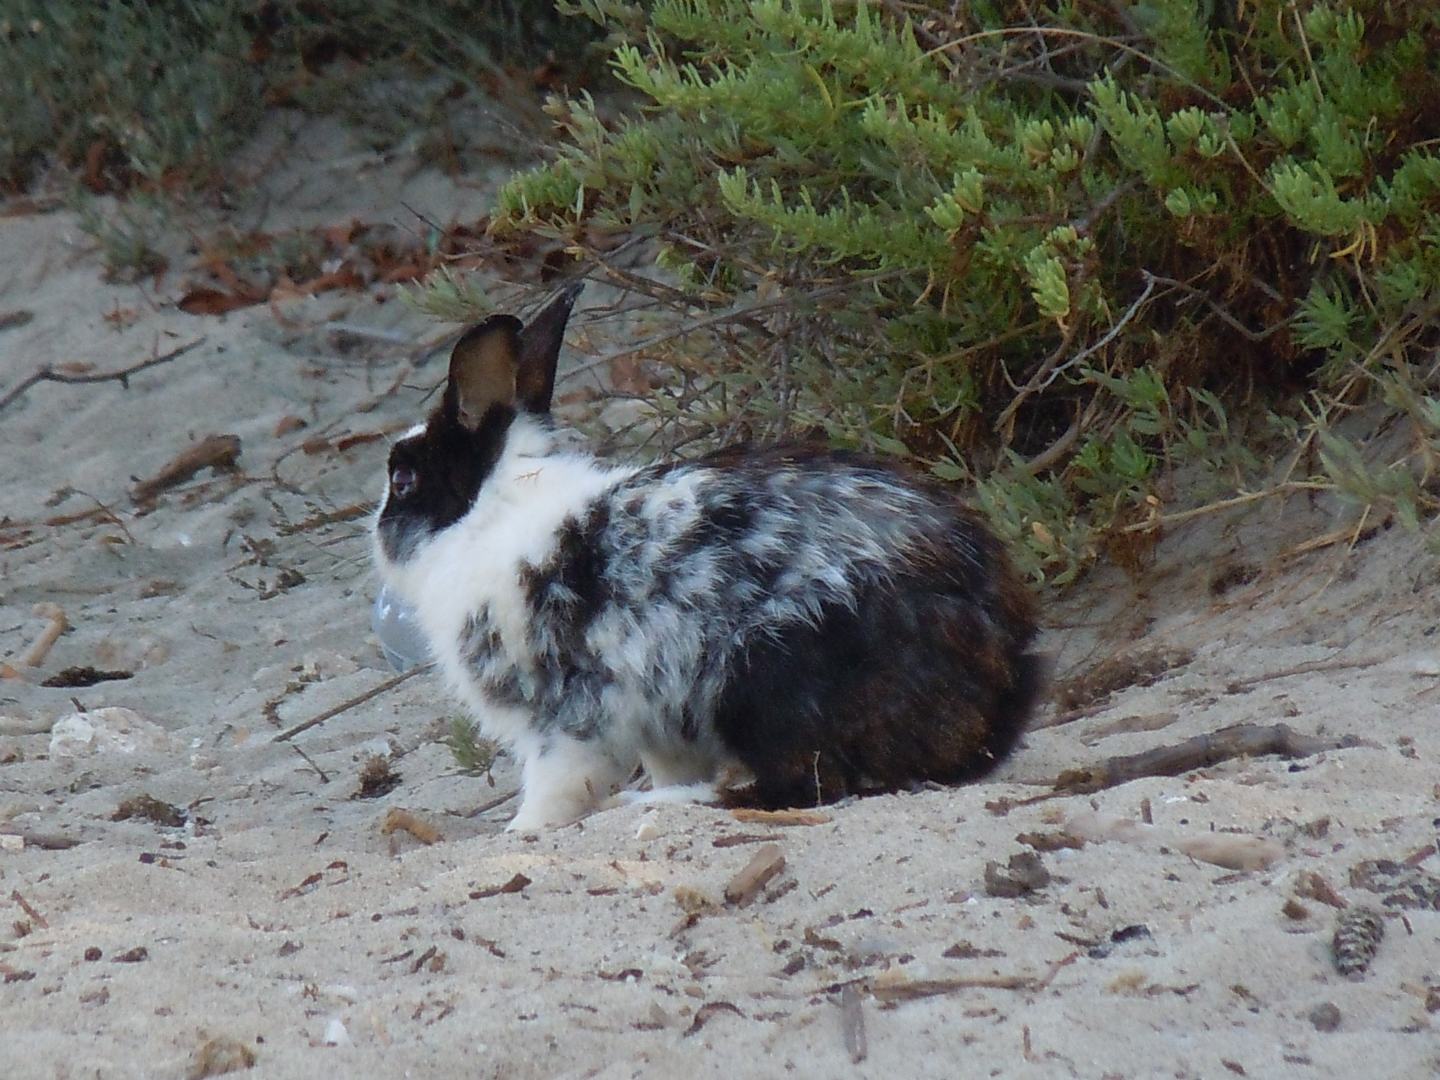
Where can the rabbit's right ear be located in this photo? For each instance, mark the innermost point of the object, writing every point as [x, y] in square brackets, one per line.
[483, 368]
[540, 343]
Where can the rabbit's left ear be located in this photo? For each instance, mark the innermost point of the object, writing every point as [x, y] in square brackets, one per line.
[482, 369]
[504, 362]
[540, 342]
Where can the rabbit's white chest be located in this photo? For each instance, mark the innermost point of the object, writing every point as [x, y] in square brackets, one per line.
[473, 572]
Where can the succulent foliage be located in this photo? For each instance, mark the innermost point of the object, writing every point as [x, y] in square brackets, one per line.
[1059, 248]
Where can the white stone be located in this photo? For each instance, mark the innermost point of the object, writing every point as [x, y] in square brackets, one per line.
[335, 1033]
[111, 730]
[376, 747]
[327, 665]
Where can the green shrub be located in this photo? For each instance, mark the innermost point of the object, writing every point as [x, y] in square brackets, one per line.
[1064, 247]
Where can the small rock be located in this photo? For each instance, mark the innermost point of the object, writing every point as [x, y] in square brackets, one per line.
[1024, 874]
[1325, 1017]
[336, 1033]
[327, 665]
[694, 901]
[1293, 909]
[648, 830]
[106, 731]
[379, 746]
[216, 1057]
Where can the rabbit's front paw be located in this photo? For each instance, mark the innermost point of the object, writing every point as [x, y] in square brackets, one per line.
[564, 781]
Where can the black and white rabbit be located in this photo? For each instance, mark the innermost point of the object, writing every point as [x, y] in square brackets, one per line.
[826, 620]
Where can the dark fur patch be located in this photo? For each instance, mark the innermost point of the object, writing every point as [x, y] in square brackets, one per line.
[483, 650]
[914, 683]
[572, 586]
[450, 465]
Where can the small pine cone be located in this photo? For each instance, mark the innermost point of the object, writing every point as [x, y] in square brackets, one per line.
[1358, 931]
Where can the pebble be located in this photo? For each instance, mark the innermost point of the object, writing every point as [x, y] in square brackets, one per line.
[327, 665]
[105, 731]
[1325, 1017]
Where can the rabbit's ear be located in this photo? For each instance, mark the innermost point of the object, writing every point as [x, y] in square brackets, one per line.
[483, 368]
[540, 342]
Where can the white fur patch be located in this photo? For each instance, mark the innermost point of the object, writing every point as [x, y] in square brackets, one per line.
[476, 563]
[564, 781]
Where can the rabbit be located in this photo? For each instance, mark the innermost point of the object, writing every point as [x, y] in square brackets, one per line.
[828, 622]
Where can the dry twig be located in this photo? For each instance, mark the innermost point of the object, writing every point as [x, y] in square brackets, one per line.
[349, 703]
[755, 875]
[1241, 740]
[56, 626]
[852, 1024]
[45, 841]
[49, 374]
[212, 452]
[1309, 666]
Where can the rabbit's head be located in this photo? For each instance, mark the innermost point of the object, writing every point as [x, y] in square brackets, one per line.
[502, 376]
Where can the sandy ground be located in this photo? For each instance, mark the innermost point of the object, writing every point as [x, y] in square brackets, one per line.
[281, 927]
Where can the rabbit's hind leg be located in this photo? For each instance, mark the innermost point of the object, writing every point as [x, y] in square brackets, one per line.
[702, 791]
[676, 777]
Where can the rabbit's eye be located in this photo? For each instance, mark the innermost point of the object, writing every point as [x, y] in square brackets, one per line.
[403, 482]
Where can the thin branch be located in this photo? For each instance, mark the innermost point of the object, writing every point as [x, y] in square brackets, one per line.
[49, 374]
[1226, 504]
[350, 703]
[1225, 316]
[499, 800]
[324, 779]
[1097, 39]
[1306, 668]
[43, 840]
[1203, 751]
[744, 316]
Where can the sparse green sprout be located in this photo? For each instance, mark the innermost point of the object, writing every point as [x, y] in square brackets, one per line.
[474, 754]
[450, 295]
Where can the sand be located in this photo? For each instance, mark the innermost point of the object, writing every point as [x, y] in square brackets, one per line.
[281, 928]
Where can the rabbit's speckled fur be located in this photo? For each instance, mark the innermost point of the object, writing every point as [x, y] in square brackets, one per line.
[825, 620]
